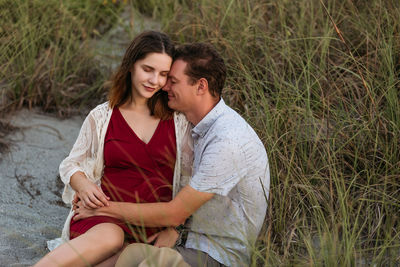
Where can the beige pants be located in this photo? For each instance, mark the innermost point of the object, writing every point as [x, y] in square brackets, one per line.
[143, 255]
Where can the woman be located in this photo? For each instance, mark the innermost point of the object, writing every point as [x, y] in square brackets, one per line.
[132, 146]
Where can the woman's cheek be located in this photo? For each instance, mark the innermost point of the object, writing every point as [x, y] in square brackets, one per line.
[163, 81]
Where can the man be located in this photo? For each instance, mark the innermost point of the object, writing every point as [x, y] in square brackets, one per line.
[226, 197]
[230, 163]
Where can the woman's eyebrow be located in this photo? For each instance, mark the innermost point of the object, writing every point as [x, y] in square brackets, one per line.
[152, 68]
[147, 66]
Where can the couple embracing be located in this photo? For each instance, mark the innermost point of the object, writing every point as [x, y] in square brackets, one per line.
[164, 173]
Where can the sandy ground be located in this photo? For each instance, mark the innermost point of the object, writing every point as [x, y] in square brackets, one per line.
[31, 209]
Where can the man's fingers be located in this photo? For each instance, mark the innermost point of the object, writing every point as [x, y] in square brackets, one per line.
[76, 198]
[77, 217]
[153, 237]
[159, 244]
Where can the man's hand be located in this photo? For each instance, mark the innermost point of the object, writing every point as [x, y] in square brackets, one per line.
[165, 238]
[82, 212]
[75, 200]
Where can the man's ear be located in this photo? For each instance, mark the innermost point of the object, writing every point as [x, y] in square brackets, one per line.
[202, 88]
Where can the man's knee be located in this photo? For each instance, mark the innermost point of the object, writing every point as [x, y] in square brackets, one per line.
[147, 255]
[134, 254]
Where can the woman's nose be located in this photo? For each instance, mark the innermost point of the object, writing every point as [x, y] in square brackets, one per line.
[155, 78]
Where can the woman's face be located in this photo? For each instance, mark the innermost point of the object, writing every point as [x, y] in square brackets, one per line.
[149, 74]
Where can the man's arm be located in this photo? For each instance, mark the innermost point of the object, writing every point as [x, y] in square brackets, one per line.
[172, 213]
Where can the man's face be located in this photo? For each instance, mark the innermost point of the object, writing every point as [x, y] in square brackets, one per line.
[181, 93]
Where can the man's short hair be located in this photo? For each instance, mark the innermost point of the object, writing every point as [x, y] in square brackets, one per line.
[203, 61]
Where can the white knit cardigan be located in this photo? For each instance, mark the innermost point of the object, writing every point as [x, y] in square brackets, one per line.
[87, 156]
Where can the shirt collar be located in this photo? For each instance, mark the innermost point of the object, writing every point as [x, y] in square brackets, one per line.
[202, 127]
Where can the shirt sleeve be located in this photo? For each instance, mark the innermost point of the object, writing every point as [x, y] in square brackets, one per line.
[220, 168]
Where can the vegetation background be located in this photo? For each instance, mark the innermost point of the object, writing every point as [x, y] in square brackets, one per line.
[319, 80]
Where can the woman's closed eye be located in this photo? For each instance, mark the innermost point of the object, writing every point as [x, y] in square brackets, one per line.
[147, 69]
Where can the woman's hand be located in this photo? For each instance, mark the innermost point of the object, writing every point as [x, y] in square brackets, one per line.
[91, 195]
[82, 212]
[165, 238]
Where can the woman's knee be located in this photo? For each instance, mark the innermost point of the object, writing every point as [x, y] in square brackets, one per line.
[109, 235]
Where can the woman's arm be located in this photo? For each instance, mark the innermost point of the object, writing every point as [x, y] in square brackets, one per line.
[79, 166]
[160, 214]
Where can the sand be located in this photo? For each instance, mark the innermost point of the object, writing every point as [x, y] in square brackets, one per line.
[31, 209]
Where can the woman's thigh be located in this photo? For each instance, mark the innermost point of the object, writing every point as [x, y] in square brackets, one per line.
[97, 244]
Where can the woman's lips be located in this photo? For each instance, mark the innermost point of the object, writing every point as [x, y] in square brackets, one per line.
[150, 89]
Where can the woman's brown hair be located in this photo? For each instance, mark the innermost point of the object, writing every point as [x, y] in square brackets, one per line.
[121, 88]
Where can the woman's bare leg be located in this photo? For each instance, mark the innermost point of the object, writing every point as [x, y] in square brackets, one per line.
[97, 244]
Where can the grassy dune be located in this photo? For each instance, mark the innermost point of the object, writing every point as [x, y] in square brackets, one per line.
[45, 56]
[318, 80]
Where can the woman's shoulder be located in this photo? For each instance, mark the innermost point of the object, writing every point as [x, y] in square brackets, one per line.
[99, 114]
[181, 123]
[104, 107]
[179, 117]
[100, 110]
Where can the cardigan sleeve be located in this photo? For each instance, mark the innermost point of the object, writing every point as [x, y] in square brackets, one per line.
[81, 158]
[184, 156]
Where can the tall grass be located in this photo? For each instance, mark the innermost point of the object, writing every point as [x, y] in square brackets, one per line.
[45, 56]
[319, 81]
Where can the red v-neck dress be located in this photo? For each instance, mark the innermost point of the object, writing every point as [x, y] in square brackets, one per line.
[134, 172]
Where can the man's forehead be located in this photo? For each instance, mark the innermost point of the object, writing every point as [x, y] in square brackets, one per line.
[179, 65]
[177, 69]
